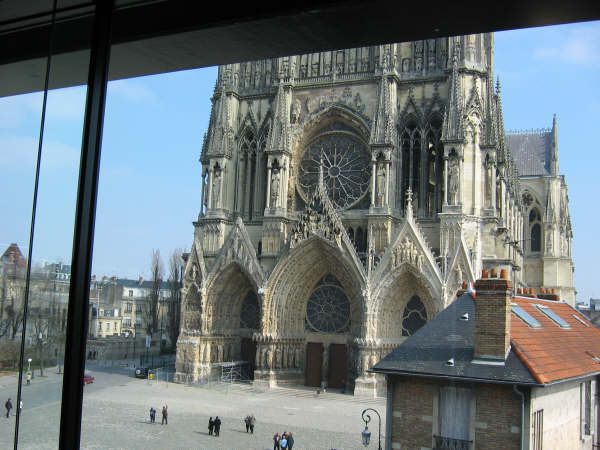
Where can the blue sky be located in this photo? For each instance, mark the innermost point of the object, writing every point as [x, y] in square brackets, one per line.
[149, 191]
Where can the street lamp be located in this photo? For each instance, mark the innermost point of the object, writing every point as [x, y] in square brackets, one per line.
[29, 364]
[366, 434]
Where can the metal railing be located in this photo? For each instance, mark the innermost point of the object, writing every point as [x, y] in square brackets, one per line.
[447, 443]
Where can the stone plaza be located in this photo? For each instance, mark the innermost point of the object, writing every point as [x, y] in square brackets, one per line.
[116, 414]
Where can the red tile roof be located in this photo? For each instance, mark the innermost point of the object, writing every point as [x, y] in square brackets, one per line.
[552, 353]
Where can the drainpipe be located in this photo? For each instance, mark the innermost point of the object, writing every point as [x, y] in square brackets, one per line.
[522, 414]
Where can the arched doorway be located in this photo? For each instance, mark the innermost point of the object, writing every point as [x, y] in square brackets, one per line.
[328, 322]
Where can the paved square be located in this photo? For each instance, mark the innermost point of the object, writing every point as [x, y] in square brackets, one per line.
[116, 415]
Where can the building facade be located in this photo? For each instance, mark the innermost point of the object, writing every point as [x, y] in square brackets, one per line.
[346, 196]
[499, 371]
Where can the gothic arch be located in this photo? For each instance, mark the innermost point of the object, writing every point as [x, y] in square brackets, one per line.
[390, 306]
[319, 120]
[295, 278]
[224, 299]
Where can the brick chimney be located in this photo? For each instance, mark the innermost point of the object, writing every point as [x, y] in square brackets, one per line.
[493, 308]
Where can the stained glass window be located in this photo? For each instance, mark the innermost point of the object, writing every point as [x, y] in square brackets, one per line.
[414, 316]
[346, 168]
[328, 308]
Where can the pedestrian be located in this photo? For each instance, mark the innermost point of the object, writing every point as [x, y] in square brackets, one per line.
[8, 406]
[217, 426]
[252, 422]
[211, 426]
[152, 415]
[165, 413]
[28, 378]
[283, 442]
[290, 440]
[247, 421]
[276, 441]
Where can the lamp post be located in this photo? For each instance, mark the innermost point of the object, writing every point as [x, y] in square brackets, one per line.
[366, 434]
[29, 364]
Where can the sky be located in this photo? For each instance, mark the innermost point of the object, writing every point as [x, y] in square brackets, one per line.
[149, 191]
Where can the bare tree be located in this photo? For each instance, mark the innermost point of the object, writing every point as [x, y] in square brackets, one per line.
[174, 306]
[156, 276]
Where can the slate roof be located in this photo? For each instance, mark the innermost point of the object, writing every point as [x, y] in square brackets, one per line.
[538, 356]
[553, 353]
[444, 337]
[531, 151]
[146, 284]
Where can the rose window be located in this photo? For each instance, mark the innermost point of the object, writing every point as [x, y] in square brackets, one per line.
[346, 168]
[328, 309]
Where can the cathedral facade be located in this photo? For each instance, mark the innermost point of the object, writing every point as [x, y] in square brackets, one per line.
[346, 198]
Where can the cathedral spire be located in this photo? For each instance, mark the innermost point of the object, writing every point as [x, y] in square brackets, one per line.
[502, 156]
[452, 129]
[554, 157]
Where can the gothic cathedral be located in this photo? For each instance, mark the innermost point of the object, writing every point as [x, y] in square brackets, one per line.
[347, 196]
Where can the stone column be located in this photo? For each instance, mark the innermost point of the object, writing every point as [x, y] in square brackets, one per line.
[210, 183]
[373, 178]
[493, 186]
[257, 184]
[445, 180]
[247, 193]
[240, 186]
[387, 183]
[268, 199]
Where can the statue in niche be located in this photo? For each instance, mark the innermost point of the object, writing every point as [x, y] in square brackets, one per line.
[406, 65]
[216, 189]
[453, 174]
[296, 110]
[488, 186]
[275, 182]
[381, 176]
[297, 364]
[278, 354]
[548, 241]
[419, 64]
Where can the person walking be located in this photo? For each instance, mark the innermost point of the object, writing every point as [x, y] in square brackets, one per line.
[211, 426]
[28, 378]
[247, 421]
[284, 441]
[252, 422]
[217, 426]
[8, 406]
[277, 441]
[152, 415]
[290, 441]
[165, 413]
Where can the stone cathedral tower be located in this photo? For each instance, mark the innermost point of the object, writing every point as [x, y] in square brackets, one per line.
[347, 196]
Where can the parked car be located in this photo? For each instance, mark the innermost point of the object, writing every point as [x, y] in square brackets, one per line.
[87, 379]
[141, 372]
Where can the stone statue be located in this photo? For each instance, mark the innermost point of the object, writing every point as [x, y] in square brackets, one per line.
[453, 174]
[381, 175]
[296, 110]
[275, 188]
[297, 357]
[488, 187]
[216, 190]
[405, 64]
[278, 354]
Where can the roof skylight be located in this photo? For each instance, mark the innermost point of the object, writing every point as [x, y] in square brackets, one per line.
[525, 317]
[581, 320]
[553, 316]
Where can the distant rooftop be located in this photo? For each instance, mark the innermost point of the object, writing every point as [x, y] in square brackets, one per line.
[531, 150]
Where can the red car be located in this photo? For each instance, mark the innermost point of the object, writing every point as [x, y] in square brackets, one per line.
[87, 379]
